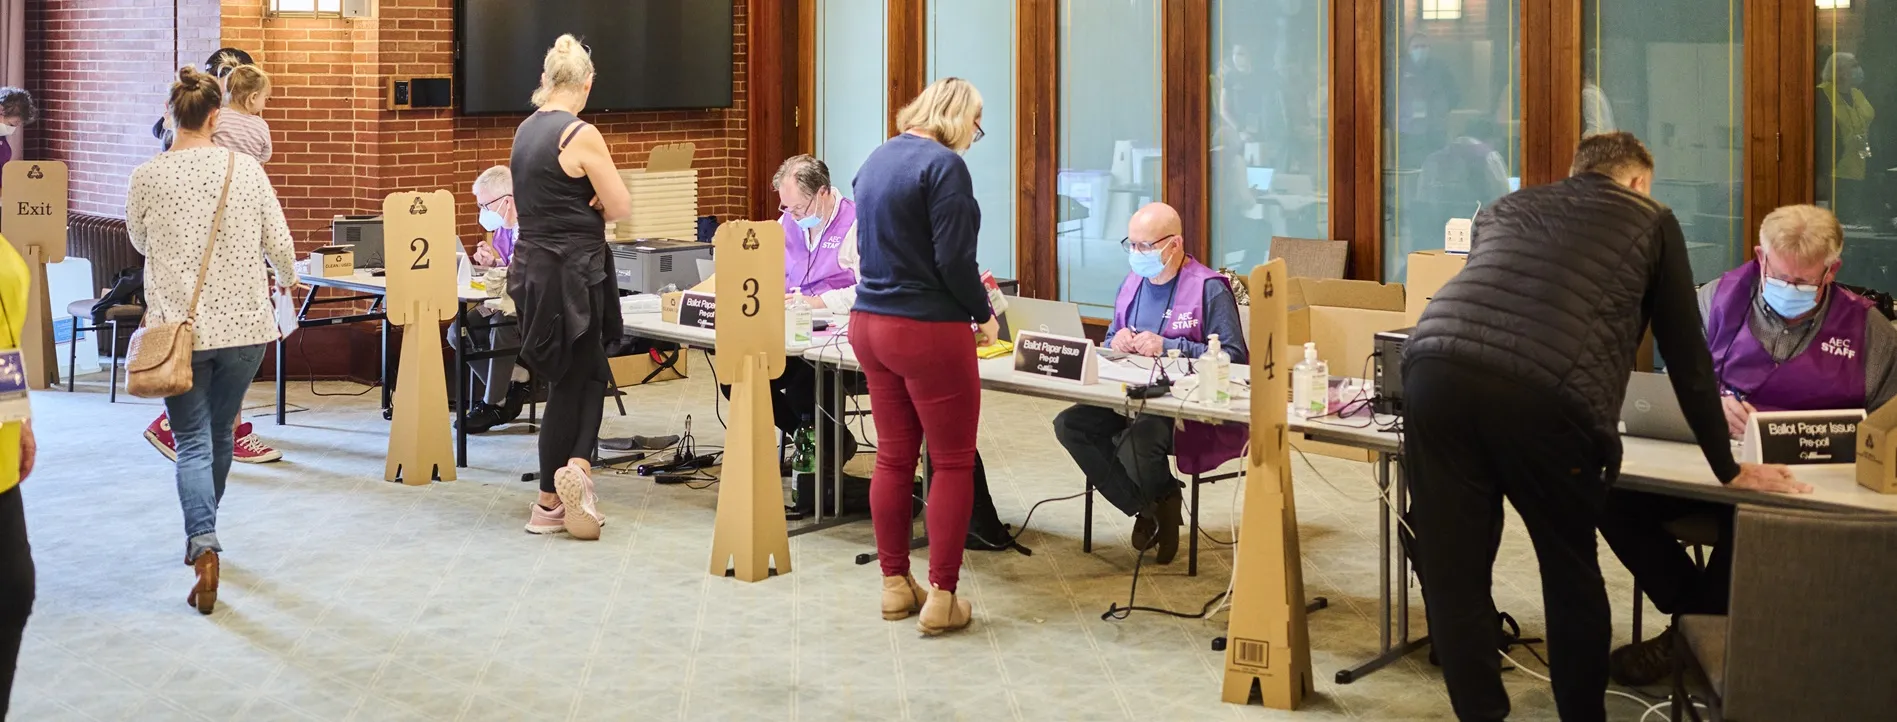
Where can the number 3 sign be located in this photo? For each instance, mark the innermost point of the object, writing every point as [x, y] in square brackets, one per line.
[750, 265]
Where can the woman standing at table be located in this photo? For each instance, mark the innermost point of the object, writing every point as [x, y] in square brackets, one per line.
[193, 195]
[565, 189]
[919, 293]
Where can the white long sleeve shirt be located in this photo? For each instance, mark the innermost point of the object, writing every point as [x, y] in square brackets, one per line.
[168, 215]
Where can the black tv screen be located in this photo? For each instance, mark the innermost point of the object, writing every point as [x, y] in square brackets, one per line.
[648, 54]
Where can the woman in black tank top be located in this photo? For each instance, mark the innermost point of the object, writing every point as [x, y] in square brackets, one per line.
[566, 188]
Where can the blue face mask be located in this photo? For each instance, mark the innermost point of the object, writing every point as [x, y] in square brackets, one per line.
[810, 223]
[1789, 300]
[1148, 264]
[491, 220]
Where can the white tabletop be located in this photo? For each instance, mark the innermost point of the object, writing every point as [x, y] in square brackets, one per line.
[362, 282]
[1677, 469]
[653, 326]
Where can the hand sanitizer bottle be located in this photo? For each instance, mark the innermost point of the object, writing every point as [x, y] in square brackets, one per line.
[1215, 375]
[798, 323]
[1310, 385]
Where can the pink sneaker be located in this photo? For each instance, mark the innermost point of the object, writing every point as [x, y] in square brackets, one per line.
[250, 448]
[159, 434]
[543, 521]
[580, 505]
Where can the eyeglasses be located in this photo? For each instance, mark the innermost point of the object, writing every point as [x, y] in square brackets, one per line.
[1129, 244]
[488, 206]
[1795, 284]
[979, 134]
[809, 206]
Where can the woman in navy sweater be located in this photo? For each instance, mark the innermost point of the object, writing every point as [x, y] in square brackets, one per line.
[919, 296]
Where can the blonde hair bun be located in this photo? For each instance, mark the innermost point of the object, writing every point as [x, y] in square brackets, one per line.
[568, 65]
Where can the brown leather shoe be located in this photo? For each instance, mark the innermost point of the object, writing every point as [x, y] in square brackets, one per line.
[1145, 529]
[204, 593]
[1167, 536]
[943, 613]
[902, 596]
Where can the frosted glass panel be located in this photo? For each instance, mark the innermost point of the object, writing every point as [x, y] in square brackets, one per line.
[1855, 148]
[1270, 151]
[852, 92]
[1670, 74]
[974, 40]
[1452, 111]
[1110, 71]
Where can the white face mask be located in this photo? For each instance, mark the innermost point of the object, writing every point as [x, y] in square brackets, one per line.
[6, 130]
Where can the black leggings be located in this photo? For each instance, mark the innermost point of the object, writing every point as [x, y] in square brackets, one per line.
[574, 405]
[16, 588]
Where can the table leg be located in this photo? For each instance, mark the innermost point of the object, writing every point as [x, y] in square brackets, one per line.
[280, 382]
[1389, 650]
[388, 391]
[460, 385]
[1402, 564]
[1383, 555]
[1192, 556]
[824, 413]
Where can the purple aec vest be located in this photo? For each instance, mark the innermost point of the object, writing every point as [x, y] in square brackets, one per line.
[818, 272]
[504, 243]
[1199, 447]
[1828, 374]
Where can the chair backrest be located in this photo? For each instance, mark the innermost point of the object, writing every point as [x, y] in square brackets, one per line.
[1810, 627]
[1310, 258]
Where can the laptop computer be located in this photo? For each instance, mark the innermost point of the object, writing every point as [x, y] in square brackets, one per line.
[1031, 314]
[1259, 178]
[1652, 411]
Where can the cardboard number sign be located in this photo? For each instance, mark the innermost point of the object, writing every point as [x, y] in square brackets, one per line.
[1268, 645]
[419, 250]
[750, 532]
[34, 221]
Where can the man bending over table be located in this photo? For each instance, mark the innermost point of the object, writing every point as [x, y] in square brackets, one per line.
[1784, 337]
[503, 397]
[1168, 302]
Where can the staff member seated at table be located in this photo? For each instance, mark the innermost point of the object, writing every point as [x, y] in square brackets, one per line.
[820, 264]
[494, 196]
[1784, 337]
[1168, 302]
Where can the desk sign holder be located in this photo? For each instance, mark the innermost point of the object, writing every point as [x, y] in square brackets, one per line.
[1268, 647]
[1801, 438]
[420, 257]
[34, 221]
[1056, 357]
[750, 532]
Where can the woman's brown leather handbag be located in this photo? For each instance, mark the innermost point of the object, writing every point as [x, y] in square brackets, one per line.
[159, 362]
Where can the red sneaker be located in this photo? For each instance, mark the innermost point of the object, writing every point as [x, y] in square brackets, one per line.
[159, 434]
[250, 448]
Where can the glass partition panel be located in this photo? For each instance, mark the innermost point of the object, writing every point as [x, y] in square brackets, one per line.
[1270, 135]
[974, 40]
[1110, 74]
[852, 87]
[1855, 152]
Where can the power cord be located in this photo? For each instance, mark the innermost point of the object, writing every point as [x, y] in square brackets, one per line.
[309, 371]
[1650, 709]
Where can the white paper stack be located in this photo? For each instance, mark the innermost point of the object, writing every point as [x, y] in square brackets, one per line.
[664, 205]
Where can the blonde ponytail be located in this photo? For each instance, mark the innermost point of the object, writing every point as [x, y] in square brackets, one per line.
[567, 67]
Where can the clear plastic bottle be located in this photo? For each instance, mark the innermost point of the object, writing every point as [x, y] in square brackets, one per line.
[798, 323]
[1215, 374]
[1310, 385]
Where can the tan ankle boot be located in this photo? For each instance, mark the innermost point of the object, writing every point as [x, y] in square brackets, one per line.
[943, 613]
[204, 594]
[902, 596]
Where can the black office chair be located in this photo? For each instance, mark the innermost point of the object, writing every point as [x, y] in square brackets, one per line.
[125, 313]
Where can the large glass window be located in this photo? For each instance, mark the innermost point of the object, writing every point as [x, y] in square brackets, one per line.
[852, 88]
[1270, 150]
[974, 40]
[1451, 117]
[1855, 152]
[1110, 74]
[1670, 73]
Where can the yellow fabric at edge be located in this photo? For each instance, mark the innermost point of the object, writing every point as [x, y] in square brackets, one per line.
[14, 280]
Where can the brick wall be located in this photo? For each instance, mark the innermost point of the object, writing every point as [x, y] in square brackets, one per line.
[100, 70]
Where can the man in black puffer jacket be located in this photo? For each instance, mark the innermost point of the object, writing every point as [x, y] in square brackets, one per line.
[1513, 381]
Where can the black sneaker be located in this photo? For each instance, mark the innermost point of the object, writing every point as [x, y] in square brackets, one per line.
[517, 395]
[484, 417]
[1643, 663]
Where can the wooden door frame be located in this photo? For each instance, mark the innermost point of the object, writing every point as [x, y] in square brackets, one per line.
[1356, 133]
[1551, 88]
[908, 54]
[1037, 145]
[1185, 120]
[777, 69]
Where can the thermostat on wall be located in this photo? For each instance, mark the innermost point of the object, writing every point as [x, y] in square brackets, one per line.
[421, 92]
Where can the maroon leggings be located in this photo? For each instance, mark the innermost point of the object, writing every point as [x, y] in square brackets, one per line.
[922, 382]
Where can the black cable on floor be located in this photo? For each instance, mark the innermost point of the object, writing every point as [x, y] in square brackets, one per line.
[309, 371]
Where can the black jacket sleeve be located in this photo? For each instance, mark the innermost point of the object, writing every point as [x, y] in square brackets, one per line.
[1681, 340]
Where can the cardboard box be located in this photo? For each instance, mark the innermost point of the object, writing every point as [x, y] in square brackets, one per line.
[668, 303]
[1429, 272]
[333, 261]
[1877, 450]
[1341, 317]
[632, 370]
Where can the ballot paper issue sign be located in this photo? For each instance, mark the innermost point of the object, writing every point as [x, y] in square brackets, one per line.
[698, 309]
[1056, 357]
[1799, 438]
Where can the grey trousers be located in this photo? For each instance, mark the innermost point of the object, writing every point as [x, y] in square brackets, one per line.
[496, 373]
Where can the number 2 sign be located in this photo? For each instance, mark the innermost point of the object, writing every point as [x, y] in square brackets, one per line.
[420, 254]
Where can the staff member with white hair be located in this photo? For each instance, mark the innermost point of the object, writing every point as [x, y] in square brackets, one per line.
[1784, 337]
[562, 282]
[912, 328]
[501, 402]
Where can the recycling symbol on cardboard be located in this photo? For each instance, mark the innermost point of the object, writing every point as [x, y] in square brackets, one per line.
[1268, 289]
[35, 173]
[750, 240]
[417, 208]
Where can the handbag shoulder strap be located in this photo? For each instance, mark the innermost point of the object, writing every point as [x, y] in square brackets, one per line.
[217, 223]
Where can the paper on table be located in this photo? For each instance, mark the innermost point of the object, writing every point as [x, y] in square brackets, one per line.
[286, 311]
[1125, 373]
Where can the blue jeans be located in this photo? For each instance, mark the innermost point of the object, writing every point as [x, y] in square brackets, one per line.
[201, 424]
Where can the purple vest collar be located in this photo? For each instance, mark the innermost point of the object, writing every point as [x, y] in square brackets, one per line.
[504, 243]
[1199, 447]
[817, 272]
[1828, 374]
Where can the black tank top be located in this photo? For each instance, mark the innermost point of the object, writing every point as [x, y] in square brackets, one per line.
[555, 211]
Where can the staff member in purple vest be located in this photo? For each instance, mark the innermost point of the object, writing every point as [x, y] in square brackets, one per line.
[504, 396]
[1169, 302]
[1784, 337]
